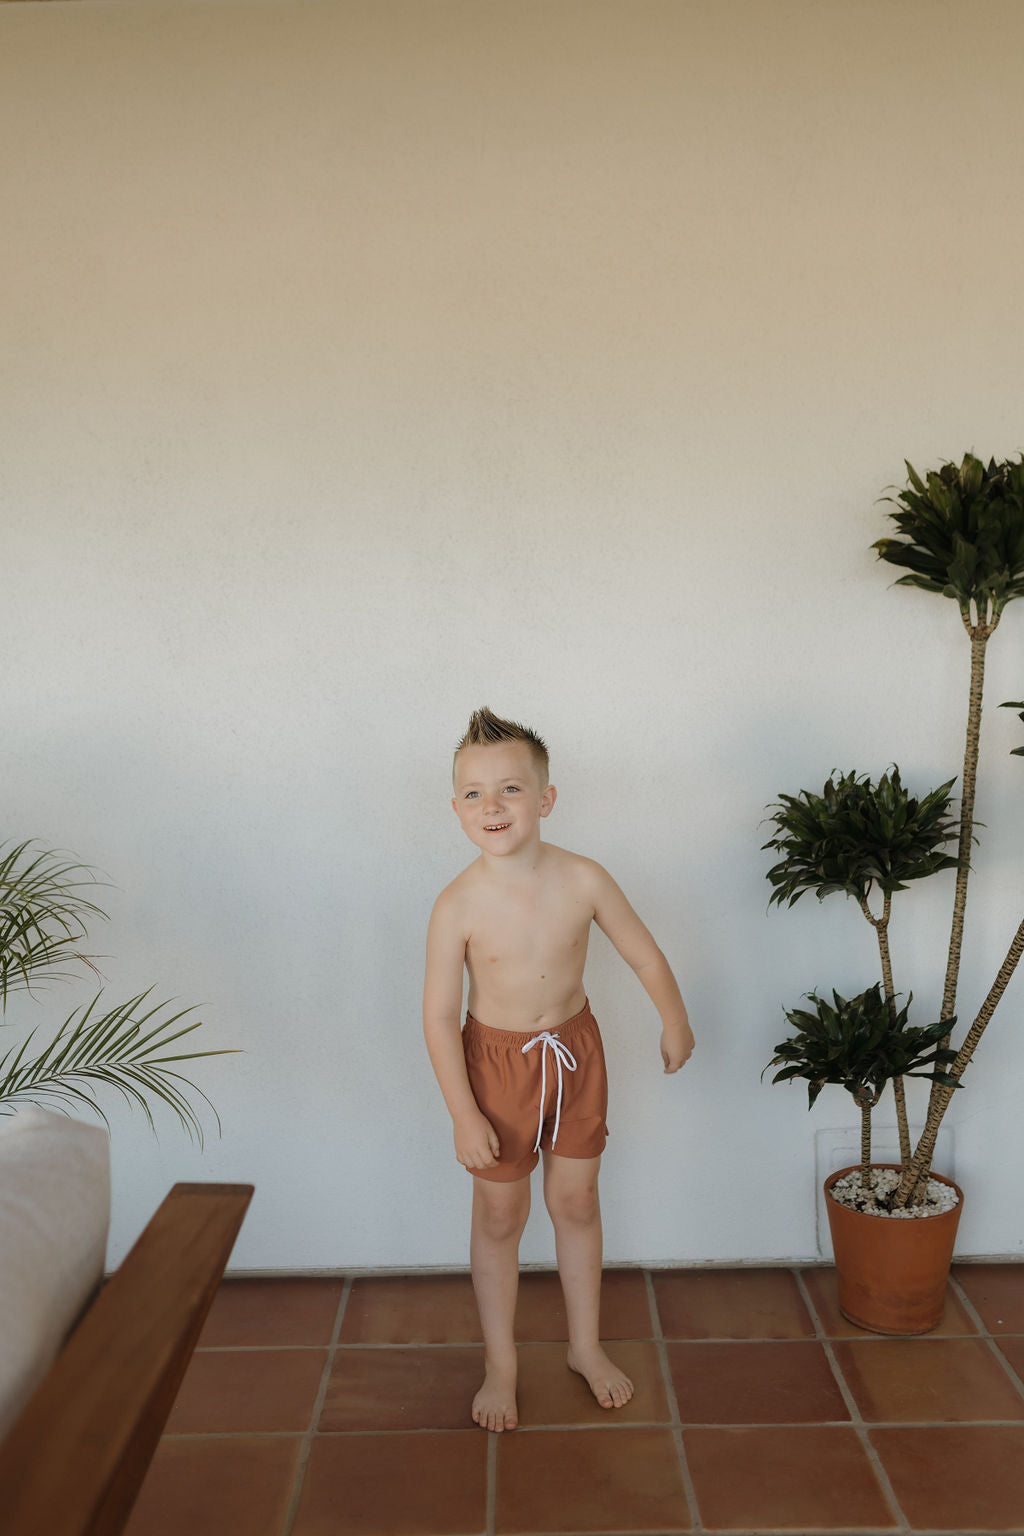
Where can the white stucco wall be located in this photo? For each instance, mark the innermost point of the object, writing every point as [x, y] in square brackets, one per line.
[365, 362]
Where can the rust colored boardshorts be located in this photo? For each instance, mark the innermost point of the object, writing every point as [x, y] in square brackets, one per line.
[548, 1090]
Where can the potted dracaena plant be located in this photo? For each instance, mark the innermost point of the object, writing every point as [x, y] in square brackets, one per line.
[44, 913]
[961, 535]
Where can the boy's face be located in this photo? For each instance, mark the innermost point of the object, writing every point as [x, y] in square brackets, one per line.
[499, 797]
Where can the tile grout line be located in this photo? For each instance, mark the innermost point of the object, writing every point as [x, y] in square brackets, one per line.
[306, 1448]
[453, 1344]
[990, 1338]
[491, 1501]
[857, 1422]
[526, 1430]
[693, 1508]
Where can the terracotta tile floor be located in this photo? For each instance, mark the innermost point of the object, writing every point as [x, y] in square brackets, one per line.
[339, 1407]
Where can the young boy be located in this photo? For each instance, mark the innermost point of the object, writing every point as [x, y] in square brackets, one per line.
[527, 1071]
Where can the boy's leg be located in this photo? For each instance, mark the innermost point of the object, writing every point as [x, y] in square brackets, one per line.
[499, 1216]
[570, 1191]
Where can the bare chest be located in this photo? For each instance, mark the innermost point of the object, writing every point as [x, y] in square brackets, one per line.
[543, 934]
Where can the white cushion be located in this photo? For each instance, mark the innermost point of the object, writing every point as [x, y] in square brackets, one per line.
[54, 1221]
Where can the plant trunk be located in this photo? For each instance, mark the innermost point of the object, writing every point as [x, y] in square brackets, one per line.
[915, 1178]
[979, 634]
[881, 927]
[902, 1124]
[866, 1180]
[939, 1097]
[866, 1101]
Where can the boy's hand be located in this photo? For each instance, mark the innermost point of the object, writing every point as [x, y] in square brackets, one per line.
[676, 1046]
[476, 1142]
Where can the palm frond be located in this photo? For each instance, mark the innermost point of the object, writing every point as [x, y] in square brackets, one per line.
[43, 915]
[109, 1048]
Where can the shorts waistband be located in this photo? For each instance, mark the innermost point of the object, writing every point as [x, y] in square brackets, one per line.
[517, 1038]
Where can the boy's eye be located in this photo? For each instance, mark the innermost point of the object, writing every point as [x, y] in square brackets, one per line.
[470, 794]
[511, 789]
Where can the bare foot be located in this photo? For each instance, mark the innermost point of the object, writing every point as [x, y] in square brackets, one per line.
[611, 1387]
[494, 1406]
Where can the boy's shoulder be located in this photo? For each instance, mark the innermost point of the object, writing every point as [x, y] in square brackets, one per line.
[581, 878]
[564, 861]
[575, 878]
[456, 890]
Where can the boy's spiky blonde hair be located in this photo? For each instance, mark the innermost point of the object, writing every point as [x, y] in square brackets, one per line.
[486, 729]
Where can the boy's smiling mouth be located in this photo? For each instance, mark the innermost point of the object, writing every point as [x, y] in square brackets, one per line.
[499, 826]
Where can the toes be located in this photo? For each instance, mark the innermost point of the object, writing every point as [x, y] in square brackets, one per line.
[495, 1419]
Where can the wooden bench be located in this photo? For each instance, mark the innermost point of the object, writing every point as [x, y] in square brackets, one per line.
[74, 1460]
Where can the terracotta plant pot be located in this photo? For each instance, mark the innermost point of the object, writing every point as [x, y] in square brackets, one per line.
[892, 1272]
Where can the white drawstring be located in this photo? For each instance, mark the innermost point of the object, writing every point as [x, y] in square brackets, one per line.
[562, 1054]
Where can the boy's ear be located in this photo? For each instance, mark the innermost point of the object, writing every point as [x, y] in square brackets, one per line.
[547, 800]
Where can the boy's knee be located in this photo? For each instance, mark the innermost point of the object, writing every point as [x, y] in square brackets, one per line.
[575, 1207]
[498, 1225]
[500, 1215]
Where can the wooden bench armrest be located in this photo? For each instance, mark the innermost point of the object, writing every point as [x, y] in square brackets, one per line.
[73, 1462]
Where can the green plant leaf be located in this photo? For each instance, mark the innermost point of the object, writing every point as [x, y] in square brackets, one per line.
[859, 1043]
[961, 531]
[43, 918]
[856, 835]
[107, 1049]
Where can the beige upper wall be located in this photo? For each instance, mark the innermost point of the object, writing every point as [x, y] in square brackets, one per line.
[361, 363]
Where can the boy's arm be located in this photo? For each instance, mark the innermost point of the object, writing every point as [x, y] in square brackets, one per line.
[476, 1143]
[616, 918]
